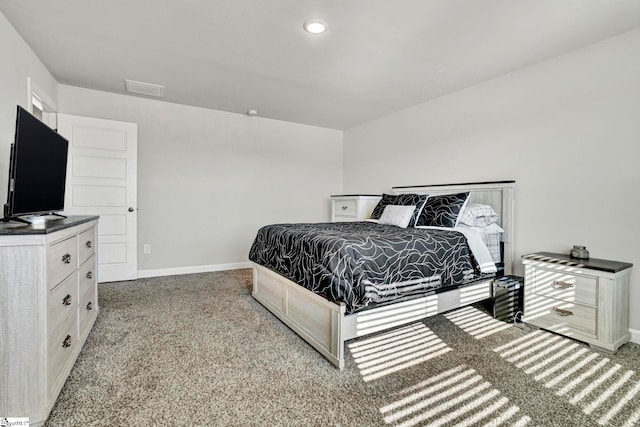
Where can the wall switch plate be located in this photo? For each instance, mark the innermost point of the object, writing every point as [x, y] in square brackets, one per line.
[146, 249]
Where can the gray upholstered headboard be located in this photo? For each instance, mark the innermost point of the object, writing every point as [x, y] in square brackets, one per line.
[497, 194]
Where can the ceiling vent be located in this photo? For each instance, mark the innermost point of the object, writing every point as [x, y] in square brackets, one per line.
[142, 88]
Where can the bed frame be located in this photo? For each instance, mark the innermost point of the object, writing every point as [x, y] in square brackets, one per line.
[326, 326]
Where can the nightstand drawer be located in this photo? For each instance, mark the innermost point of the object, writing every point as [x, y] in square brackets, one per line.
[62, 259]
[352, 207]
[557, 315]
[345, 208]
[565, 286]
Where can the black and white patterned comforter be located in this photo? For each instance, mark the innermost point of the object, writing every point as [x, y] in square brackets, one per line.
[360, 263]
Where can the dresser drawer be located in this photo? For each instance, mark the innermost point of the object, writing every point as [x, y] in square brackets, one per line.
[87, 309]
[565, 286]
[87, 275]
[559, 315]
[61, 302]
[345, 208]
[86, 244]
[62, 260]
[61, 346]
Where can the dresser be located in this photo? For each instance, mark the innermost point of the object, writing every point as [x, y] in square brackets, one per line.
[352, 207]
[48, 301]
[583, 299]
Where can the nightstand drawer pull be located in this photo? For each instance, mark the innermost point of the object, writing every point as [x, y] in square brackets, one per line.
[557, 284]
[67, 300]
[89, 306]
[89, 244]
[67, 342]
[66, 258]
[344, 208]
[89, 275]
[562, 312]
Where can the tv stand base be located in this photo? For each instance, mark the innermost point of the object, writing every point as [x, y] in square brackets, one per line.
[15, 218]
[7, 218]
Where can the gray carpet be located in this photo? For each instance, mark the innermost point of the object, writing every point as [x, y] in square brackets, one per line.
[198, 350]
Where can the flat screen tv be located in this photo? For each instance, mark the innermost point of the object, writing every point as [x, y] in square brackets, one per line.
[37, 169]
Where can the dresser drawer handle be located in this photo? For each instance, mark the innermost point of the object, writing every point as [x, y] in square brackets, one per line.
[67, 300]
[557, 284]
[89, 275]
[89, 244]
[562, 312]
[66, 258]
[89, 306]
[344, 208]
[67, 342]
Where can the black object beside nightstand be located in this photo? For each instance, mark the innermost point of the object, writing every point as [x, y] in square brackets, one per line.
[508, 297]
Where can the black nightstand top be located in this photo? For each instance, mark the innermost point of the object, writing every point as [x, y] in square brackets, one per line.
[592, 263]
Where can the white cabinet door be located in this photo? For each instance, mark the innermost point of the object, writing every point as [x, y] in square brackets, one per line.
[102, 180]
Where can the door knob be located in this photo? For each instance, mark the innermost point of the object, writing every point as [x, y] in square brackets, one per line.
[130, 209]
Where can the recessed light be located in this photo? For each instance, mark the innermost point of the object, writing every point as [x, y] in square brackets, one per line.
[252, 112]
[315, 26]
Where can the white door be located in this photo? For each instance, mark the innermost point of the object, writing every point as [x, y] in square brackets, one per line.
[101, 180]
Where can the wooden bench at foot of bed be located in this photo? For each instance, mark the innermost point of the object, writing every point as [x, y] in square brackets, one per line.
[326, 326]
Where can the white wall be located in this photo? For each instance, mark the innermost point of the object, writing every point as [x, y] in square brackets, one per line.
[567, 130]
[18, 63]
[207, 180]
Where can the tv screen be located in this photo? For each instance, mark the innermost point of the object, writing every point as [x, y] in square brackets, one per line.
[38, 168]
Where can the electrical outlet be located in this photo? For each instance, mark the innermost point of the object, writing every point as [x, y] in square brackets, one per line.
[146, 249]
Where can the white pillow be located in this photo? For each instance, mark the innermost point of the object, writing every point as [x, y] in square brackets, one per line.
[478, 215]
[400, 216]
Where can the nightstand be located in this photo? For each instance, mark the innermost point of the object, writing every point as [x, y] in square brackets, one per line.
[352, 207]
[583, 299]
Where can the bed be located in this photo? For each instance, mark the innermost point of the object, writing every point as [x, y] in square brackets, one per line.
[308, 299]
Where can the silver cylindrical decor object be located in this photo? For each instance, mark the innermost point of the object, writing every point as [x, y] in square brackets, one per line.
[579, 252]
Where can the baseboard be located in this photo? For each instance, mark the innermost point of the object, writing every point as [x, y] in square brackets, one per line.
[193, 269]
[635, 336]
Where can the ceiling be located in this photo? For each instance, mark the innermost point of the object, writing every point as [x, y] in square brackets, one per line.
[378, 56]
